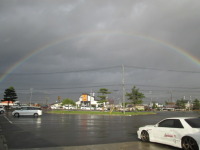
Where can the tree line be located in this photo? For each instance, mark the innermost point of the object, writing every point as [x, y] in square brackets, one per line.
[181, 104]
[134, 97]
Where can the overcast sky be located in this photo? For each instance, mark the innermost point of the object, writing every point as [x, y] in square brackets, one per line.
[69, 47]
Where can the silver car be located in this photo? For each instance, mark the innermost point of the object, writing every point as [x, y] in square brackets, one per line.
[27, 111]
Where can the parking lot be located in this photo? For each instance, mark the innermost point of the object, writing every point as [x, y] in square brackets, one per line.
[77, 131]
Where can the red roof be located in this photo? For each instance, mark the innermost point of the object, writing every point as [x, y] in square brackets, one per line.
[6, 102]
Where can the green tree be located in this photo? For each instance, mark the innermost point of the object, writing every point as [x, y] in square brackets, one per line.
[181, 103]
[68, 102]
[10, 94]
[103, 92]
[196, 104]
[167, 103]
[154, 105]
[135, 96]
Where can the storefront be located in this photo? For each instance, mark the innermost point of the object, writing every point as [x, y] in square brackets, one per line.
[86, 100]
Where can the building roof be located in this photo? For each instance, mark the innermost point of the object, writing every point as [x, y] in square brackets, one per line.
[6, 102]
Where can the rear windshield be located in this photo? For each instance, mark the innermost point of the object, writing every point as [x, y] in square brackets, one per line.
[194, 122]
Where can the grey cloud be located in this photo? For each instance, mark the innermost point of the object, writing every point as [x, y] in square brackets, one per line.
[98, 34]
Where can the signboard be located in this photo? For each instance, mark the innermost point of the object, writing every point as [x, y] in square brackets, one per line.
[84, 97]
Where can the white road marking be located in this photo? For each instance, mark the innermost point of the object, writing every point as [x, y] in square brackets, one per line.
[8, 120]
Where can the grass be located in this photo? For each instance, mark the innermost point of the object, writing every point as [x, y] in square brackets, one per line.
[100, 112]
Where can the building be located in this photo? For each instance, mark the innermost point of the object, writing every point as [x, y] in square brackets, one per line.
[140, 107]
[155, 104]
[87, 100]
[10, 103]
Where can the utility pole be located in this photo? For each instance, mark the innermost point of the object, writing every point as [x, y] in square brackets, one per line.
[30, 95]
[171, 95]
[123, 89]
[90, 98]
[190, 103]
[46, 100]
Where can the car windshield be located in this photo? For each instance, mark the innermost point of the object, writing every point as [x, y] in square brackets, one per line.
[194, 122]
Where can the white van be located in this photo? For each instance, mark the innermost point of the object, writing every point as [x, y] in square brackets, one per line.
[27, 111]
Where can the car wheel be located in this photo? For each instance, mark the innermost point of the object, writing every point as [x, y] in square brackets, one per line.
[16, 115]
[145, 136]
[35, 115]
[189, 143]
[1, 112]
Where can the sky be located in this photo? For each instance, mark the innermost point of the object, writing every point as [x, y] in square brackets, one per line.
[51, 48]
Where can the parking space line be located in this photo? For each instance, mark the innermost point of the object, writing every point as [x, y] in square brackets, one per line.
[8, 120]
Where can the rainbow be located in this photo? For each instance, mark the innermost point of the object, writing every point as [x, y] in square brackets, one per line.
[34, 52]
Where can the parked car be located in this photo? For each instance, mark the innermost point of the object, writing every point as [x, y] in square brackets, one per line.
[15, 106]
[53, 107]
[27, 111]
[68, 107]
[2, 110]
[44, 107]
[181, 132]
[99, 108]
[102, 108]
[87, 108]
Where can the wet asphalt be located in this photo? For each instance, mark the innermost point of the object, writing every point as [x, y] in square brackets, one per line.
[75, 132]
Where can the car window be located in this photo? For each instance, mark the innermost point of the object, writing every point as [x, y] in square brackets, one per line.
[177, 124]
[171, 123]
[24, 108]
[166, 123]
[31, 108]
[36, 108]
[194, 122]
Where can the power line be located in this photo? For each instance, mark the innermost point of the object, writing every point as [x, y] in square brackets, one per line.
[103, 68]
[157, 86]
[158, 69]
[64, 72]
[119, 85]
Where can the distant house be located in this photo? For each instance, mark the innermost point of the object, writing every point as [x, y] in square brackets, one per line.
[56, 106]
[10, 103]
[140, 107]
[132, 107]
[188, 105]
[157, 105]
[171, 106]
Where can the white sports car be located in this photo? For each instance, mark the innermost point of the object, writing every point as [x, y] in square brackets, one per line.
[181, 132]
